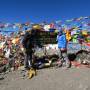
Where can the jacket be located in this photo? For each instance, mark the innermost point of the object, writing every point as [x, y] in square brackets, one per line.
[61, 41]
[27, 41]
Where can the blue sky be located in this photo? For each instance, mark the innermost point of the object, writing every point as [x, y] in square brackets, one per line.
[42, 10]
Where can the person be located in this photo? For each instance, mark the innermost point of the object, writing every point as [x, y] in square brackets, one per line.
[28, 45]
[81, 38]
[62, 46]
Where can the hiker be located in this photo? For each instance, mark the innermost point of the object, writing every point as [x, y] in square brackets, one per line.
[28, 44]
[62, 47]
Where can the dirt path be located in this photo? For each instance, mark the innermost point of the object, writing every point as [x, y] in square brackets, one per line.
[49, 79]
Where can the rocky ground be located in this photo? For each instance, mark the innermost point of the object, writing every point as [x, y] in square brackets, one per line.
[49, 79]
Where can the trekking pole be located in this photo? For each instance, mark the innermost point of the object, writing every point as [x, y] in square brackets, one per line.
[45, 51]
